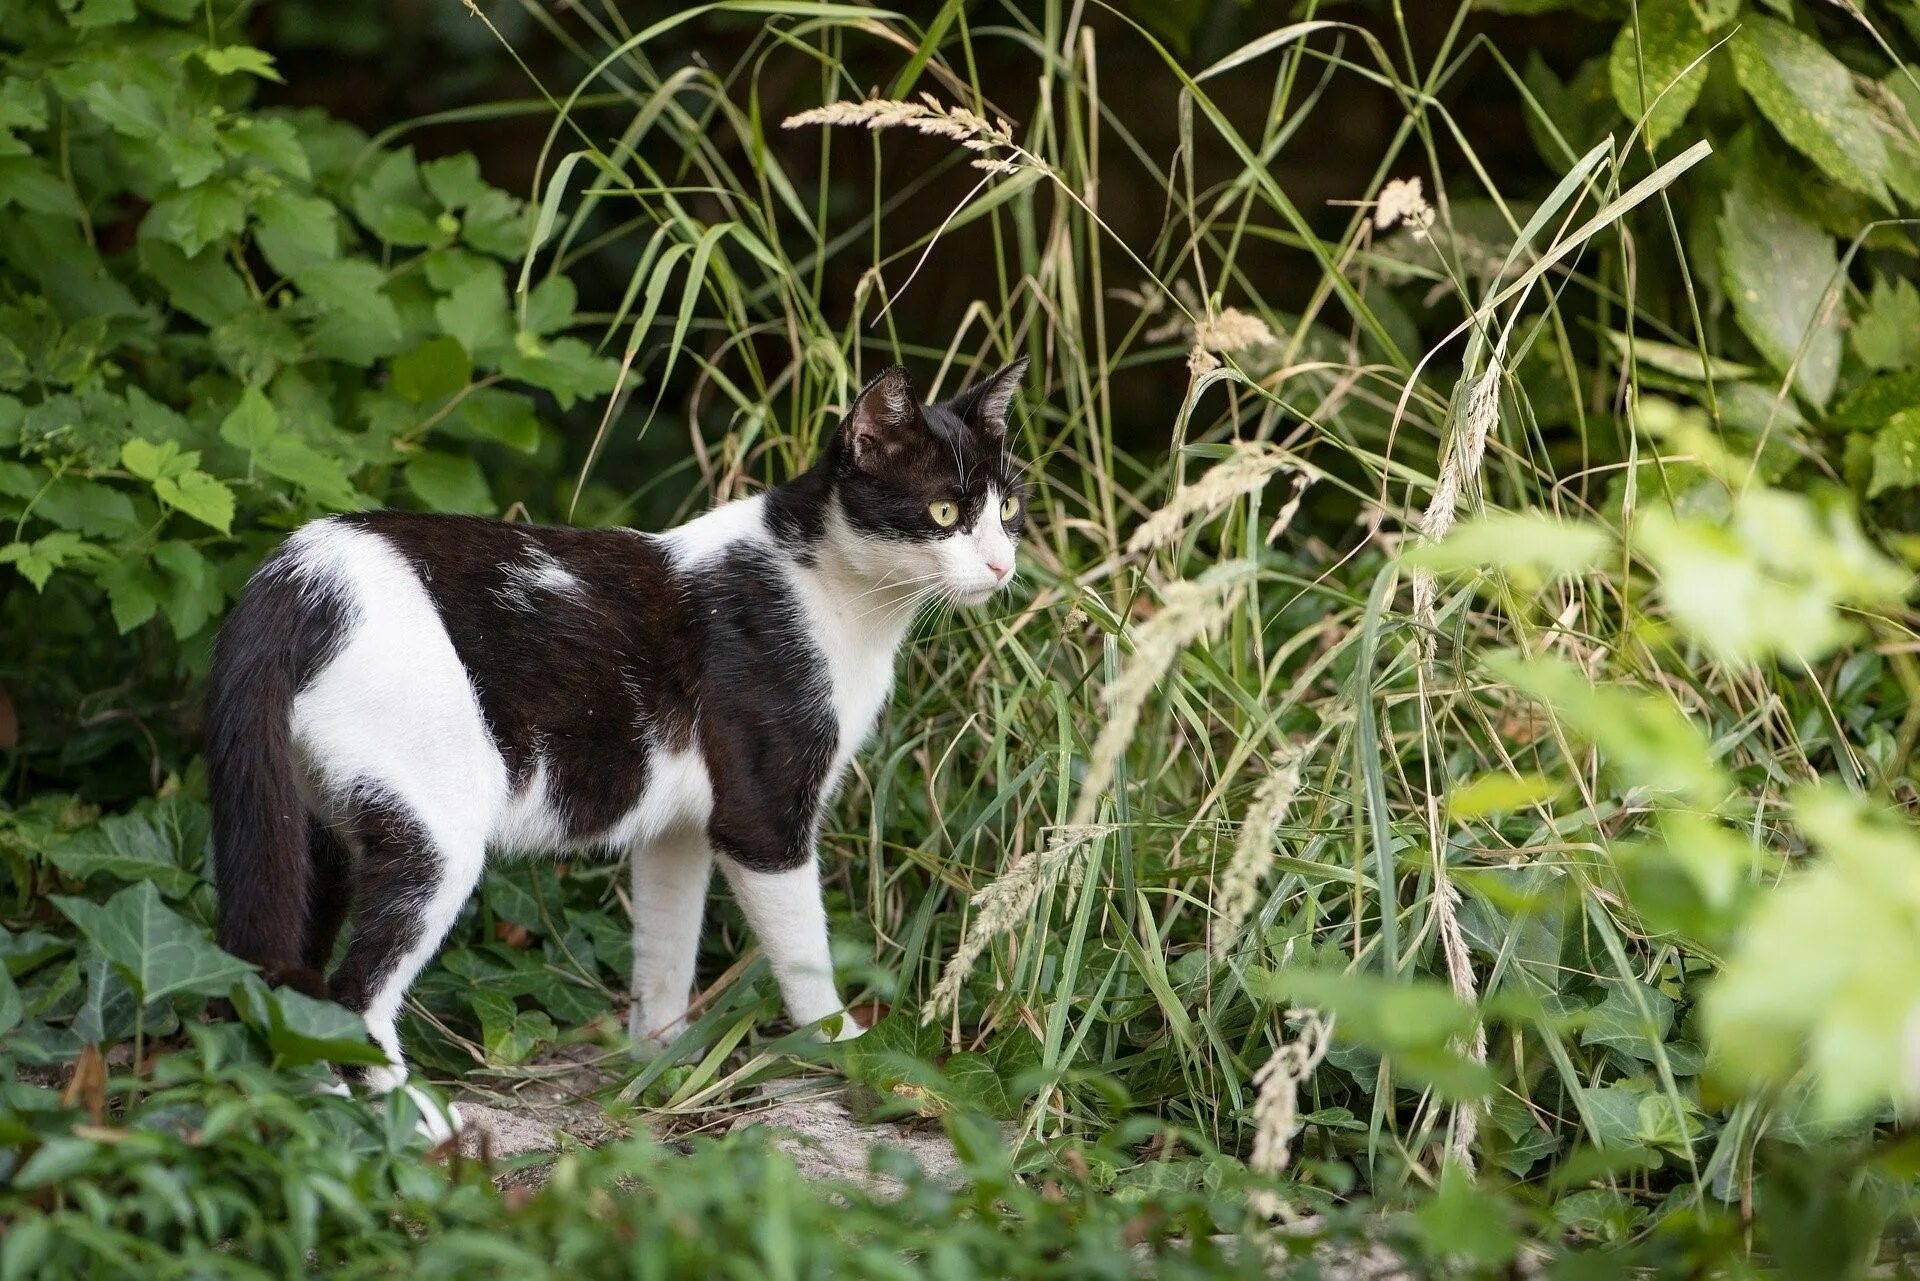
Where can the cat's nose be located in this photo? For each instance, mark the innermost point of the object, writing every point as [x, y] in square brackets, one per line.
[1001, 569]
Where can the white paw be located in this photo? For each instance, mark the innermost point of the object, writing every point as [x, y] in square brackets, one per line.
[438, 1122]
[384, 1079]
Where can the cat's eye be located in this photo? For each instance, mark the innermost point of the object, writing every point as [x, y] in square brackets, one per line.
[944, 513]
[1009, 508]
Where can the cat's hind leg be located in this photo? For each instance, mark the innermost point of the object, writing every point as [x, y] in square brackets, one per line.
[670, 875]
[415, 873]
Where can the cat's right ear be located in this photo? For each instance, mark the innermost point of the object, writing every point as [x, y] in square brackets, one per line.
[882, 418]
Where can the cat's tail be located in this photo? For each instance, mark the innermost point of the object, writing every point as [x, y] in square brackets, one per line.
[285, 626]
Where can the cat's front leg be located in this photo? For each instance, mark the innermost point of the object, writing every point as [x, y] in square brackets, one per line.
[670, 876]
[785, 911]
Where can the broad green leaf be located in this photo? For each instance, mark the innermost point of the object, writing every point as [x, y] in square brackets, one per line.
[94, 509]
[200, 496]
[30, 183]
[300, 1030]
[1621, 1020]
[1822, 975]
[10, 1007]
[1779, 269]
[1533, 542]
[1869, 406]
[132, 594]
[450, 482]
[199, 216]
[1499, 793]
[454, 180]
[351, 290]
[503, 416]
[159, 951]
[1808, 95]
[1671, 34]
[274, 143]
[475, 312]
[193, 598]
[134, 847]
[1771, 578]
[566, 367]
[432, 371]
[1887, 333]
[294, 231]
[37, 560]
[254, 425]
[1464, 1222]
[1896, 453]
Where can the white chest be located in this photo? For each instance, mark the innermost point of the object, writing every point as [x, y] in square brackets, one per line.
[857, 642]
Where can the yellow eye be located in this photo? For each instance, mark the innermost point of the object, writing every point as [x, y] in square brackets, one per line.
[944, 513]
[1009, 509]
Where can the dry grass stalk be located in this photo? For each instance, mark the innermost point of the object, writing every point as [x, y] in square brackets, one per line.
[1242, 472]
[1004, 903]
[1276, 1106]
[1453, 945]
[1189, 611]
[1239, 885]
[928, 116]
[1458, 469]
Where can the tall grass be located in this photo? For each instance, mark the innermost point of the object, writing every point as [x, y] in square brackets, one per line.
[1292, 701]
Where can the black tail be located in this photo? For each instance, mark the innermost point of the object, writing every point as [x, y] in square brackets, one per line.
[284, 628]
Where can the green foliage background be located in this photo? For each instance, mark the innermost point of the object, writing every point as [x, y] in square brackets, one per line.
[1461, 705]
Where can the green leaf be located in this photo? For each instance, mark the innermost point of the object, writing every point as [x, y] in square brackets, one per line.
[566, 367]
[432, 371]
[475, 312]
[450, 483]
[133, 847]
[294, 231]
[1868, 406]
[300, 1030]
[1823, 973]
[199, 216]
[351, 289]
[1896, 454]
[1779, 269]
[1466, 1222]
[1671, 33]
[272, 142]
[455, 180]
[1532, 542]
[1808, 95]
[131, 594]
[1619, 1022]
[200, 496]
[30, 183]
[239, 59]
[160, 952]
[1887, 333]
[1499, 793]
[503, 416]
[37, 560]
[254, 425]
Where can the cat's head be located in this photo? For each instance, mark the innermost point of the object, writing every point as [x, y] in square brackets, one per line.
[929, 495]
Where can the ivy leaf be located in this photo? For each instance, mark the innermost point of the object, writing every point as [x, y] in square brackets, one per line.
[160, 952]
[1672, 39]
[1778, 267]
[301, 1030]
[128, 847]
[238, 59]
[1618, 1021]
[1808, 95]
[1896, 454]
[450, 483]
[1887, 334]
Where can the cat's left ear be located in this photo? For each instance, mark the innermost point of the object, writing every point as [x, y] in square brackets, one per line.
[985, 404]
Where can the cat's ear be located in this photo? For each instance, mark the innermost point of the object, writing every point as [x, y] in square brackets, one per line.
[882, 417]
[985, 404]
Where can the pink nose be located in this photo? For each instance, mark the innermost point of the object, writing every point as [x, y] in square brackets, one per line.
[1000, 569]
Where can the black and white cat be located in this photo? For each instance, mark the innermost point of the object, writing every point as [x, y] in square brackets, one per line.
[398, 695]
